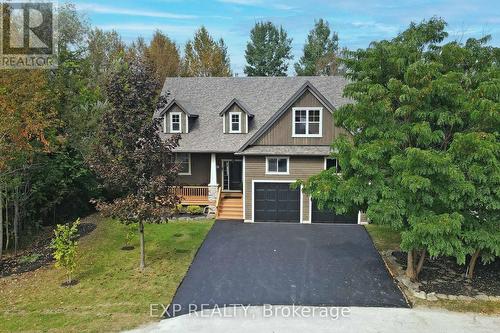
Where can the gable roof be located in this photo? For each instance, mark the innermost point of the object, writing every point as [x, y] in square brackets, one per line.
[178, 103]
[240, 105]
[264, 96]
[305, 87]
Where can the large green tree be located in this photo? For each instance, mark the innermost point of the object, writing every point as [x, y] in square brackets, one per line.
[103, 48]
[129, 156]
[419, 104]
[163, 54]
[268, 51]
[320, 52]
[478, 156]
[204, 56]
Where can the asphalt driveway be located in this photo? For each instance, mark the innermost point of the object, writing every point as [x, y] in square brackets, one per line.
[284, 264]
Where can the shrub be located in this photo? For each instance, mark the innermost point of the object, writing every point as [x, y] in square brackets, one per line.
[65, 245]
[30, 258]
[180, 208]
[194, 210]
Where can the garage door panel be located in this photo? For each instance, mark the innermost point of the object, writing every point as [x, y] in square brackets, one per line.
[276, 202]
[326, 216]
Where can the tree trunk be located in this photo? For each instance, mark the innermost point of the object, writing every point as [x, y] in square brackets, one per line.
[420, 262]
[141, 234]
[472, 264]
[411, 272]
[16, 221]
[1, 221]
[7, 236]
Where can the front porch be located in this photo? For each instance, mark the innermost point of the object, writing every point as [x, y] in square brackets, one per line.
[192, 195]
[213, 180]
[229, 205]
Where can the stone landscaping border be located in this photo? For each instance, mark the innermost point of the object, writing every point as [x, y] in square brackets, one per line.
[188, 217]
[414, 287]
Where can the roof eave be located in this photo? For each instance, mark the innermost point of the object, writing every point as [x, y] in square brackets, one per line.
[174, 102]
[240, 105]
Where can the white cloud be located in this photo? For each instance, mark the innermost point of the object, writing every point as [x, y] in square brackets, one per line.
[142, 27]
[381, 27]
[179, 32]
[259, 3]
[283, 6]
[92, 7]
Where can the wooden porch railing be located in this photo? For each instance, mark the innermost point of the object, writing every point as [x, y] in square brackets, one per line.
[191, 194]
[219, 192]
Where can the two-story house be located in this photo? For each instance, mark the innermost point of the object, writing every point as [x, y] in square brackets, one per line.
[244, 140]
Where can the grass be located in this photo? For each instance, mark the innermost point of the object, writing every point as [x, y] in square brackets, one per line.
[484, 307]
[384, 237]
[112, 294]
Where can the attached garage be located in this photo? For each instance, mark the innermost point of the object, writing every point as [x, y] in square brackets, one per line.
[276, 202]
[323, 216]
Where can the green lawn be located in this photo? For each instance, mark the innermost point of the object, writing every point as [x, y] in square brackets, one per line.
[384, 237]
[112, 293]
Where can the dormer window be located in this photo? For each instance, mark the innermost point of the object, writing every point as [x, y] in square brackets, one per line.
[235, 122]
[175, 122]
[307, 122]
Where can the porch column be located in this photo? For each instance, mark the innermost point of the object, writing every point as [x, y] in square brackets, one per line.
[212, 186]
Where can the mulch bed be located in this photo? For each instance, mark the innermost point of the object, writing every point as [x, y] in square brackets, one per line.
[444, 276]
[40, 250]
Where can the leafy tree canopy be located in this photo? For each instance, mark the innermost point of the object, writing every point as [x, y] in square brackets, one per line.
[163, 53]
[423, 155]
[203, 56]
[320, 52]
[130, 157]
[268, 51]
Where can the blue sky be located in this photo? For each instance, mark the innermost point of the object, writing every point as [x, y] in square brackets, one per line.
[357, 22]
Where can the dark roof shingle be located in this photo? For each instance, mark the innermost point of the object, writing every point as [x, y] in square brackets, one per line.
[264, 96]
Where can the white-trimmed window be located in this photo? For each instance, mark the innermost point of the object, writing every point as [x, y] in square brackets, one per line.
[277, 165]
[175, 122]
[234, 122]
[184, 162]
[307, 122]
[332, 163]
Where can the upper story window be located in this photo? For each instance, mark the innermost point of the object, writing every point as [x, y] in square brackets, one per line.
[277, 165]
[175, 122]
[307, 122]
[234, 122]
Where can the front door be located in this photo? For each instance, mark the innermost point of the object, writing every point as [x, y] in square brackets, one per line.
[232, 174]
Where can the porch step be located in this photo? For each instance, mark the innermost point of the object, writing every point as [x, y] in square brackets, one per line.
[232, 194]
[231, 210]
[233, 203]
[231, 207]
